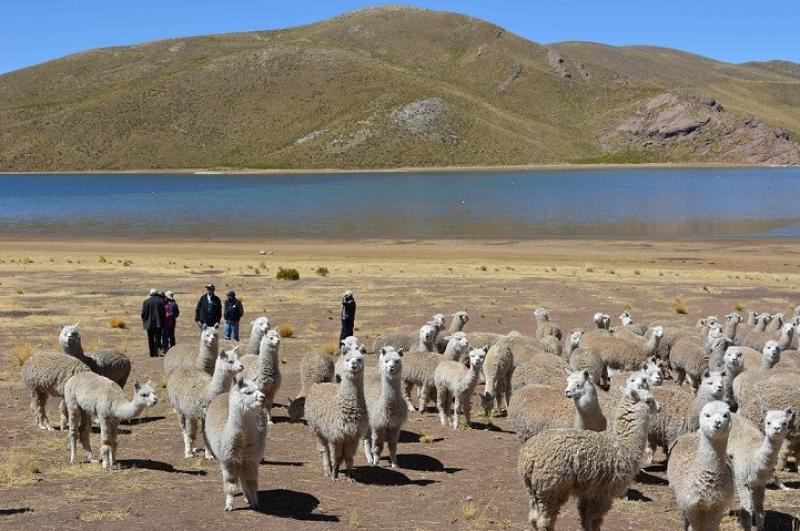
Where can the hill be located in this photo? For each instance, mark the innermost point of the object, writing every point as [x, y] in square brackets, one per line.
[391, 87]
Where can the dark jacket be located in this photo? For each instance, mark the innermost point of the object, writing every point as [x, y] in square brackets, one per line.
[348, 309]
[209, 314]
[172, 312]
[153, 315]
[233, 309]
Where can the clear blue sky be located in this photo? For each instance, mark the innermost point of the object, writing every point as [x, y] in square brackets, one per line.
[32, 31]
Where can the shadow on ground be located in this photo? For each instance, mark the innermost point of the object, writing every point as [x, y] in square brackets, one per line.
[160, 466]
[285, 503]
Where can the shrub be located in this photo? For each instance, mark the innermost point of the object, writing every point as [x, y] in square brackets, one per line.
[286, 330]
[102, 260]
[126, 263]
[22, 353]
[330, 348]
[483, 268]
[322, 271]
[679, 307]
[116, 322]
[637, 272]
[287, 274]
[739, 307]
[19, 291]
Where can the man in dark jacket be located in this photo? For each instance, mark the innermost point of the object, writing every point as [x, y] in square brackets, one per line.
[209, 309]
[348, 315]
[153, 318]
[171, 312]
[233, 314]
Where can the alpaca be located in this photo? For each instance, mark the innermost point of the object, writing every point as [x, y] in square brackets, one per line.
[235, 430]
[265, 368]
[108, 362]
[258, 329]
[45, 374]
[191, 390]
[700, 472]
[90, 395]
[203, 358]
[386, 407]
[455, 384]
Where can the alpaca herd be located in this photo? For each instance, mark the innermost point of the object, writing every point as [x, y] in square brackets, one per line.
[590, 407]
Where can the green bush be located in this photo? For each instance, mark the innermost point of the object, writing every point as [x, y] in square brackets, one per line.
[287, 274]
[322, 271]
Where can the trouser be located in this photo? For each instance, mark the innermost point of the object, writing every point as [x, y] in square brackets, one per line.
[347, 328]
[232, 330]
[153, 341]
[167, 338]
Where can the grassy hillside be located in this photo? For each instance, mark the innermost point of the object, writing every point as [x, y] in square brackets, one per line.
[384, 87]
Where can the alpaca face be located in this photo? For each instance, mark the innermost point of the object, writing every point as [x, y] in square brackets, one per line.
[248, 394]
[654, 373]
[273, 339]
[438, 321]
[390, 362]
[477, 357]
[231, 360]
[715, 420]
[712, 383]
[658, 331]
[643, 397]
[541, 314]
[426, 334]
[353, 362]
[625, 318]
[461, 316]
[776, 423]
[69, 336]
[577, 384]
[575, 338]
[210, 336]
[788, 329]
[733, 357]
[144, 393]
[733, 317]
[771, 353]
[636, 382]
[459, 342]
[261, 325]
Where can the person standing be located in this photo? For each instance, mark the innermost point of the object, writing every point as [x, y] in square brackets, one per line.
[233, 314]
[348, 315]
[171, 313]
[153, 318]
[209, 309]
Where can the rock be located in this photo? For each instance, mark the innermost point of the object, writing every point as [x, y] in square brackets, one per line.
[482, 49]
[557, 63]
[515, 72]
[582, 70]
[262, 252]
[426, 118]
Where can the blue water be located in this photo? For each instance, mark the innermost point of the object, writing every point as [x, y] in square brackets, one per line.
[592, 203]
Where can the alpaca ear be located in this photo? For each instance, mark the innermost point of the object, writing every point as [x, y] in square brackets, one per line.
[486, 348]
[204, 327]
[382, 352]
[567, 372]
[400, 352]
[216, 326]
[362, 349]
[585, 375]
[706, 374]
[136, 385]
[723, 374]
[75, 325]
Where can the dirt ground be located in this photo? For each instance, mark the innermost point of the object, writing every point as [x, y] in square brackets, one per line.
[446, 479]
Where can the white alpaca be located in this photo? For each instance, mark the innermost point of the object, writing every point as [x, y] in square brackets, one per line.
[455, 385]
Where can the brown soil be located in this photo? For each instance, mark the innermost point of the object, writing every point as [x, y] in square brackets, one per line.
[453, 480]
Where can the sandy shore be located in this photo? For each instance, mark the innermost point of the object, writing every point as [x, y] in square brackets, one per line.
[46, 282]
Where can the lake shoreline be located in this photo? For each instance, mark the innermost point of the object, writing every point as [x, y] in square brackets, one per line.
[421, 169]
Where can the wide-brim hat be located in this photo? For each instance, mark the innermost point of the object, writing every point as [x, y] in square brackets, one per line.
[210, 286]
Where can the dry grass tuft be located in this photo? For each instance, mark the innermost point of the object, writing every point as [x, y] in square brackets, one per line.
[637, 272]
[116, 322]
[19, 291]
[469, 510]
[110, 515]
[739, 307]
[19, 468]
[679, 307]
[22, 353]
[287, 274]
[330, 348]
[423, 438]
[322, 271]
[286, 330]
[126, 263]
[102, 260]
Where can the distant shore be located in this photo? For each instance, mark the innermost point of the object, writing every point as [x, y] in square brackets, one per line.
[527, 167]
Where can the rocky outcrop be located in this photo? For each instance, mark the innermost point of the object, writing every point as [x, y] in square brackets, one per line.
[557, 63]
[427, 119]
[515, 72]
[699, 128]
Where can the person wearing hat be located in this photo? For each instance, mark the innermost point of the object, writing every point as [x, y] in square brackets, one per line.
[209, 309]
[233, 314]
[348, 315]
[153, 318]
[171, 312]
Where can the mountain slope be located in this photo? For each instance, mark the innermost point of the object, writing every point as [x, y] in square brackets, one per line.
[385, 87]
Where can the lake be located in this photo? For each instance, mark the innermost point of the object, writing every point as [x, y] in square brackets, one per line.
[570, 203]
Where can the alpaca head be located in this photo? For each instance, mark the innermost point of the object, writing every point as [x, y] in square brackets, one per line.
[477, 356]
[715, 331]
[390, 363]
[144, 394]
[733, 358]
[733, 317]
[575, 338]
[246, 394]
[541, 314]
[438, 321]
[461, 316]
[272, 339]
[715, 420]
[771, 353]
[351, 343]
[654, 372]
[210, 336]
[602, 320]
[353, 364]
[626, 318]
[636, 381]
[296, 408]
[426, 334]
[777, 422]
[718, 343]
[712, 384]
[788, 329]
[657, 332]
[712, 320]
[260, 326]
[579, 383]
[69, 336]
[643, 399]
[458, 342]
[230, 360]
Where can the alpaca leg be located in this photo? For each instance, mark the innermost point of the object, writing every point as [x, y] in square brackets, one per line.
[456, 409]
[758, 508]
[62, 409]
[367, 440]
[349, 448]
[38, 403]
[105, 443]
[441, 405]
[745, 507]
[113, 430]
[337, 449]
[407, 395]
[422, 398]
[325, 452]
[189, 429]
[540, 516]
[207, 448]
[249, 481]
[596, 510]
[73, 419]
[467, 407]
[377, 445]
[508, 390]
[84, 432]
[229, 488]
[392, 438]
[680, 376]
